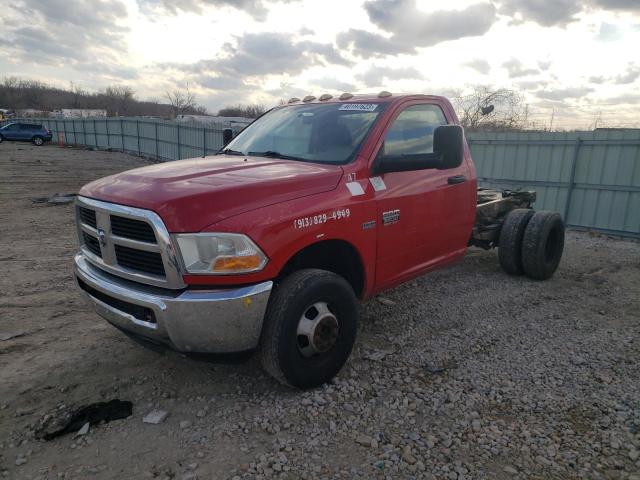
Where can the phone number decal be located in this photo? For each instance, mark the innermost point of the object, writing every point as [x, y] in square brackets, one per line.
[321, 218]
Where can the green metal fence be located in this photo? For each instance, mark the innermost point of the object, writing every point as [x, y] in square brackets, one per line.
[592, 178]
[160, 139]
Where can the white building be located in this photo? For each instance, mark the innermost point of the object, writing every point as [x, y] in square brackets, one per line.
[80, 113]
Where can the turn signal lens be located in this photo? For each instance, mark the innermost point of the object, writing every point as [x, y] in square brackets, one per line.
[234, 264]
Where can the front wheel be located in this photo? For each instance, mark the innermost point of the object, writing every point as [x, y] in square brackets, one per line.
[310, 328]
[37, 141]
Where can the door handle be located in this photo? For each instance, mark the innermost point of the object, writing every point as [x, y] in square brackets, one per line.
[456, 179]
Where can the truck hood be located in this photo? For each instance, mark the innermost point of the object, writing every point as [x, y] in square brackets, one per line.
[190, 195]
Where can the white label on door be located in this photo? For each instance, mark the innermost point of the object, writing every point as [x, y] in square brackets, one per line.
[377, 183]
[355, 188]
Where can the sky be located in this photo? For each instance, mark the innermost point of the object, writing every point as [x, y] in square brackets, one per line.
[576, 62]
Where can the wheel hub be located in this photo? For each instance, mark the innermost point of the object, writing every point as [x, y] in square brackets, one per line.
[318, 330]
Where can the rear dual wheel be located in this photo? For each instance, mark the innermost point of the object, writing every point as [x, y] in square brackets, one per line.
[310, 328]
[531, 243]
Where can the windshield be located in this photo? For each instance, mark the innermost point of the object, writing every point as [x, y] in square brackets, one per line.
[324, 133]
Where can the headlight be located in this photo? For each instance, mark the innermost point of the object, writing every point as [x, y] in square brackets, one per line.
[220, 253]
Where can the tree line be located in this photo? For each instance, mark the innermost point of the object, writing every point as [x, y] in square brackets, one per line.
[118, 100]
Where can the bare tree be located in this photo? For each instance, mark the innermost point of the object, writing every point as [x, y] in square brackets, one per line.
[491, 109]
[247, 111]
[119, 98]
[181, 101]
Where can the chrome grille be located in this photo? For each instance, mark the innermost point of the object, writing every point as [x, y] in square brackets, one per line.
[129, 242]
[134, 229]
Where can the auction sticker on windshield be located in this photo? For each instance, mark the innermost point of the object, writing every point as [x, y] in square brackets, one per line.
[361, 107]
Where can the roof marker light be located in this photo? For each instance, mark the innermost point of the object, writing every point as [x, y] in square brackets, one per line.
[324, 97]
[384, 94]
[309, 98]
[345, 96]
[293, 100]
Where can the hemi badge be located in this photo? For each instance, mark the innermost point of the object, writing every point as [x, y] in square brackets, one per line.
[392, 216]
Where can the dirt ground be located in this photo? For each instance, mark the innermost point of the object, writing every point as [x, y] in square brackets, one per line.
[464, 373]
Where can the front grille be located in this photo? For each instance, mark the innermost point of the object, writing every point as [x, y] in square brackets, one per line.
[88, 217]
[92, 244]
[141, 313]
[133, 229]
[143, 261]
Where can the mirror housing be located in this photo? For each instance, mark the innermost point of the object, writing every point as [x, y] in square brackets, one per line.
[448, 152]
[227, 136]
[448, 141]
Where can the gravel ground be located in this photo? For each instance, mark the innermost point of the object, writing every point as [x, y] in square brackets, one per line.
[465, 373]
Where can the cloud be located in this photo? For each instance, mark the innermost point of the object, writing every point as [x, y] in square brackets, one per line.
[561, 94]
[409, 27]
[608, 32]
[479, 65]
[77, 33]
[517, 69]
[255, 8]
[544, 12]
[627, 5]
[335, 84]
[559, 13]
[255, 56]
[376, 76]
[630, 76]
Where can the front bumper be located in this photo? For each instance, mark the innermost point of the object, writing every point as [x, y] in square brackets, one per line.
[194, 321]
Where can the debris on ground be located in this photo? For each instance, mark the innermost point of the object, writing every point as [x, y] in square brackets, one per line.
[56, 199]
[70, 421]
[155, 416]
[10, 335]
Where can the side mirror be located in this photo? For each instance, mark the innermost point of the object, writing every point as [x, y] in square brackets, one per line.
[407, 163]
[227, 136]
[448, 142]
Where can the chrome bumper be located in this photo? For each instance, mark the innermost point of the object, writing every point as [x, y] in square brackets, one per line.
[197, 321]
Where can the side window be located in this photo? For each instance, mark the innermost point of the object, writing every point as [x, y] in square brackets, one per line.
[412, 131]
[14, 127]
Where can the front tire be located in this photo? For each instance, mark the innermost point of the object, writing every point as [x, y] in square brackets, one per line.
[38, 141]
[309, 328]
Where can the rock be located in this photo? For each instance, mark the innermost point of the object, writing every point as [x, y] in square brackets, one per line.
[633, 455]
[386, 301]
[510, 469]
[84, 430]
[20, 460]
[476, 425]
[185, 424]
[155, 416]
[363, 440]
[408, 457]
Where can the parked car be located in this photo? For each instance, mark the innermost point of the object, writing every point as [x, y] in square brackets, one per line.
[271, 243]
[25, 132]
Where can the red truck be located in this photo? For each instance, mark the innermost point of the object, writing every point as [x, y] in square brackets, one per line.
[270, 244]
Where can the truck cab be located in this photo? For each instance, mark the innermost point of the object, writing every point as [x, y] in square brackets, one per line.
[270, 244]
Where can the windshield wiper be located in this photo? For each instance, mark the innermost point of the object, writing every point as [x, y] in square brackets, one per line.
[228, 151]
[274, 154]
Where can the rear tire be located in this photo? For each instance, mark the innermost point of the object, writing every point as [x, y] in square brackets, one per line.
[320, 303]
[542, 245]
[510, 242]
[37, 140]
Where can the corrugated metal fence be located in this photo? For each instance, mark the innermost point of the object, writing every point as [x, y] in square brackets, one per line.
[591, 178]
[161, 139]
